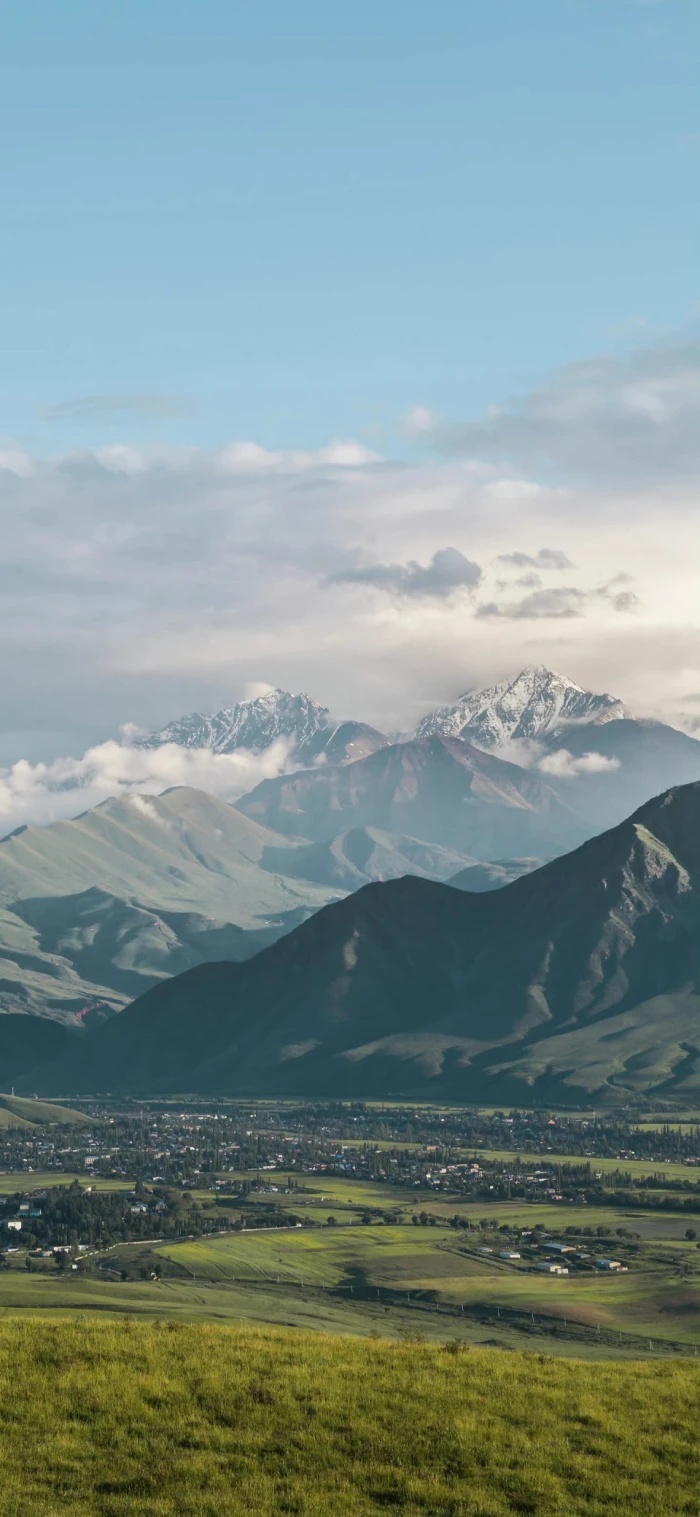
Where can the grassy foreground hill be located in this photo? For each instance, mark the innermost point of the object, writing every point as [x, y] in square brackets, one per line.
[119, 1419]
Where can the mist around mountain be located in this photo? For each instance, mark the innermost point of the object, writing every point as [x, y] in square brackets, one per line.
[579, 980]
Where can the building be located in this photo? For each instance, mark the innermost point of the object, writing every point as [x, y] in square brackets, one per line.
[508, 1254]
[548, 1267]
[609, 1264]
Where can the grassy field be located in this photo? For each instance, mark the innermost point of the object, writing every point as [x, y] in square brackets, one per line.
[30, 1179]
[660, 1296]
[167, 1420]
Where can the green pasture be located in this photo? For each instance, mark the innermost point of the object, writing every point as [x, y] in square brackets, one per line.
[659, 1295]
[33, 1179]
[138, 1419]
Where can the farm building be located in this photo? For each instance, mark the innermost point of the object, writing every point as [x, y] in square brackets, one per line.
[548, 1267]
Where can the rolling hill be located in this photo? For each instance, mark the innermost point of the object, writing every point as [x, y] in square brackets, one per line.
[95, 910]
[580, 979]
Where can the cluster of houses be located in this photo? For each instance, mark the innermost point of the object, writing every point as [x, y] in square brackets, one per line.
[559, 1256]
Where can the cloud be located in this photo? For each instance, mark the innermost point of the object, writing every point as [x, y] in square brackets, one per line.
[541, 604]
[85, 407]
[626, 419]
[564, 765]
[14, 461]
[562, 602]
[46, 792]
[447, 572]
[420, 422]
[544, 558]
[140, 583]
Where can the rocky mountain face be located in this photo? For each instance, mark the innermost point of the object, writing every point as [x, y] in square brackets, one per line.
[256, 724]
[441, 790]
[581, 979]
[253, 724]
[531, 706]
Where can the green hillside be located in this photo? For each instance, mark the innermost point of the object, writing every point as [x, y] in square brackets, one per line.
[97, 909]
[15, 1111]
[166, 1420]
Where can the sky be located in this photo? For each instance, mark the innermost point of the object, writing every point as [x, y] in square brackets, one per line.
[353, 349]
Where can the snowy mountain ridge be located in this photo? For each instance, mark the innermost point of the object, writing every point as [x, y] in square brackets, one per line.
[253, 724]
[536, 703]
[531, 706]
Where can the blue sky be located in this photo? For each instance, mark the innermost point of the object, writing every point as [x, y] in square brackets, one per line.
[294, 222]
[352, 349]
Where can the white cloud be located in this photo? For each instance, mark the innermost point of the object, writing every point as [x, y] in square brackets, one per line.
[138, 584]
[46, 792]
[420, 422]
[16, 462]
[565, 766]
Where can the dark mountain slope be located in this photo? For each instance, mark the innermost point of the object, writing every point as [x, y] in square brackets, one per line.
[480, 877]
[580, 977]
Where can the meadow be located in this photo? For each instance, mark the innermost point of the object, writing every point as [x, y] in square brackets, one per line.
[134, 1419]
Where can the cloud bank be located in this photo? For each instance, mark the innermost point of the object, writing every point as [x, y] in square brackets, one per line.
[48, 792]
[139, 583]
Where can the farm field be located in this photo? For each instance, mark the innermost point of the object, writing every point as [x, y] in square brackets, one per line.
[322, 1196]
[392, 1280]
[660, 1294]
[177, 1420]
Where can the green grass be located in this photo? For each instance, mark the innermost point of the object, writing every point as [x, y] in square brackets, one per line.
[16, 1111]
[659, 1297]
[166, 1420]
[31, 1179]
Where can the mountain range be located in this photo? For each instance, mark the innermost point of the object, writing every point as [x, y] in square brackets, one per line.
[599, 758]
[277, 716]
[96, 909]
[437, 788]
[578, 980]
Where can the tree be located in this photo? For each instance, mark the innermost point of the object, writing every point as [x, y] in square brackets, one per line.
[690, 1234]
[331, 1221]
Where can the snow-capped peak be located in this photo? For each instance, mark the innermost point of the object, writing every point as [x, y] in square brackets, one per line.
[537, 701]
[252, 724]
